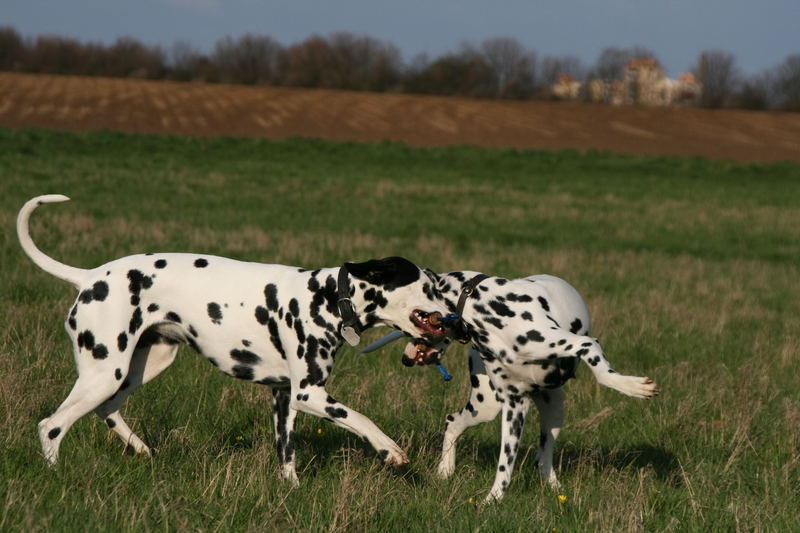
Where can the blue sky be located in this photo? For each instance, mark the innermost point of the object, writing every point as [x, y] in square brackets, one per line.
[760, 34]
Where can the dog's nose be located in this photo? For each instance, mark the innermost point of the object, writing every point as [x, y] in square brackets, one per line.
[407, 361]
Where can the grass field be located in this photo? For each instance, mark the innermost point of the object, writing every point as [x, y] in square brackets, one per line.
[690, 269]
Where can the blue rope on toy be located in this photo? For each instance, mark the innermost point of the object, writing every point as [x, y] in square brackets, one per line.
[443, 371]
[449, 318]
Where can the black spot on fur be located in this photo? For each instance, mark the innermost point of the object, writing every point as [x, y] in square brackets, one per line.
[53, 433]
[501, 309]
[161, 263]
[496, 322]
[274, 336]
[118, 374]
[575, 326]
[545, 305]
[98, 292]
[245, 356]
[271, 294]
[200, 263]
[86, 340]
[100, 351]
[110, 423]
[294, 307]
[152, 308]
[535, 336]
[527, 316]
[242, 372]
[215, 312]
[336, 412]
[174, 317]
[136, 321]
[261, 315]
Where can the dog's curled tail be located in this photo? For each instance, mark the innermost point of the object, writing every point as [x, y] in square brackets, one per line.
[76, 276]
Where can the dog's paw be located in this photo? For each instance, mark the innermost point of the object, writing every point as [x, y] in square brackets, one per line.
[394, 457]
[639, 387]
[494, 496]
[446, 467]
[289, 475]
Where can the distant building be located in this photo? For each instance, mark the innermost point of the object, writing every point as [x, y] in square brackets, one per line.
[643, 83]
[566, 87]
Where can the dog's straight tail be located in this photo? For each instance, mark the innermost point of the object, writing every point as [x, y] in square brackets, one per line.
[73, 275]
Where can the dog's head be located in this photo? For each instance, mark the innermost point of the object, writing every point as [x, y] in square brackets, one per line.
[397, 293]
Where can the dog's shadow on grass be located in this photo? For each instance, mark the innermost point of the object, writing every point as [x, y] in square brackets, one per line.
[569, 458]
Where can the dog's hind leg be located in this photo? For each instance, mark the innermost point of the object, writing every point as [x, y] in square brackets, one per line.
[591, 353]
[153, 354]
[283, 416]
[95, 385]
[551, 418]
[482, 406]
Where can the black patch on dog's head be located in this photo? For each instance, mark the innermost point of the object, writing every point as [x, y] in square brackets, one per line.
[390, 273]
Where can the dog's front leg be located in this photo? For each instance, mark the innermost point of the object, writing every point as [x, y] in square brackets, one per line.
[313, 399]
[515, 409]
[551, 418]
[283, 416]
[482, 406]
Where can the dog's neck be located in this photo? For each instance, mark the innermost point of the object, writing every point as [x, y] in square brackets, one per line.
[452, 284]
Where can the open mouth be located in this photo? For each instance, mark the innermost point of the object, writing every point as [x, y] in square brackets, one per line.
[418, 353]
[429, 324]
[433, 331]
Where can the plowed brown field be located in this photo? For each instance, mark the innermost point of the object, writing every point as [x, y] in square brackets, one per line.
[78, 103]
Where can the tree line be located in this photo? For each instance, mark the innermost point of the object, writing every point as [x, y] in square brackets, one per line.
[495, 68]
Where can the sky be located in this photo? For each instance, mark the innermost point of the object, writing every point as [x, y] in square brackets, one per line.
[760, 34]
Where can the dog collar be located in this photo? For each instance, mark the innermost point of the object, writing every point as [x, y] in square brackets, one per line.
[460, 332]
[351, 327]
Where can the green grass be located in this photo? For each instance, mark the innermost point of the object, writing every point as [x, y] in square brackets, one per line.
[689, 266]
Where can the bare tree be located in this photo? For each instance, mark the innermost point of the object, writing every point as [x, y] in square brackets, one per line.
[362, 63]
[308, 63]
[130, 58]
[252, 59]
[512, 66]
[186, 63]
[611, 63]
[12, 49]
[787, 83]
[552, 67]
[464, 73]
[717, 72]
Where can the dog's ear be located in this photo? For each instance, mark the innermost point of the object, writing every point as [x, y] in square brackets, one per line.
[389, 273]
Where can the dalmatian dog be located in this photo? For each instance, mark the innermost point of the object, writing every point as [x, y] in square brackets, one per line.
[527, 337]
[274, 325]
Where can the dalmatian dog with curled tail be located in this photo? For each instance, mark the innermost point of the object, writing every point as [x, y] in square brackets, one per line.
[274, 325]
[527, 337]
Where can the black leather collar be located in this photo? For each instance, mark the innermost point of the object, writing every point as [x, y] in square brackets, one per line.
[460, 332]
[351, 327]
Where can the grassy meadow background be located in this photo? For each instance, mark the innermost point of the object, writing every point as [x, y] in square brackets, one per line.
[689, 266]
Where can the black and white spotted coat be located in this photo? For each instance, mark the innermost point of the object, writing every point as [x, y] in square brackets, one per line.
[527, 338]
[273, 325]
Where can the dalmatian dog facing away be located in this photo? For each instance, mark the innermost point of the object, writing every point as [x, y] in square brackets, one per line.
[274, 325]
[527, 337]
